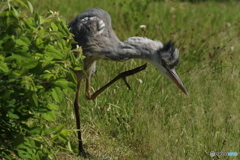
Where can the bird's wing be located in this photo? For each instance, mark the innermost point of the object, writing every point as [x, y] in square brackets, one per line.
[86, 26]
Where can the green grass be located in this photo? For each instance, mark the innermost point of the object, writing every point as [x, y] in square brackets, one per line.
[155, 120]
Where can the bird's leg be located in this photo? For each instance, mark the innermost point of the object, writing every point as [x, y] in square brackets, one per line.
[88, 84]
[122, 75]
[78, 122]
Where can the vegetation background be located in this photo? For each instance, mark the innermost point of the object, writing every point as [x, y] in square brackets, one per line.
[155, 120]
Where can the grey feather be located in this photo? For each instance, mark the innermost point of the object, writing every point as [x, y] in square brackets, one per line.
[93, 32]
[169, 54]
[92, 29]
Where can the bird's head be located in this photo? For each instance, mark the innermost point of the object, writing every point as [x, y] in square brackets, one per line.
[165, 60]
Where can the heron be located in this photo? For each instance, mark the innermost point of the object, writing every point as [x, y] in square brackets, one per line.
[93, 31]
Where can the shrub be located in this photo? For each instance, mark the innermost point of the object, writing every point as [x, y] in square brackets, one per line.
[35, 58]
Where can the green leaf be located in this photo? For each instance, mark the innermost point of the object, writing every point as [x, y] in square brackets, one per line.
[30, 6]
[22, 3]
[54, 53]
[29, 64]
[29, 23]
[72, 77]
[50, 130]
[12, 115]
[77, 68]
[6, 96]
[23, 44]
[34, 99]
[69, 147]
[47, 20]
[23, 40]
[48, 76]
[15, 13]
[3, 67]
[58, 129]
[23, 154]
[63, 29]
[62, 138]
[49, 116]
[16, 57]
[28, 83]
[30, 142]
[41, 20]
[54, 26]
[64, 84]
[57, 94]
[38, 69]
[53, 106]
[35, 130]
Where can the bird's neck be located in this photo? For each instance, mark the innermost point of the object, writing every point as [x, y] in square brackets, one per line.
[134, 48]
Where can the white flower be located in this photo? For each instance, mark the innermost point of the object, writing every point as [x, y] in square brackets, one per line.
[172, 10]
[140, 80]
[228, 24]
[143, 26]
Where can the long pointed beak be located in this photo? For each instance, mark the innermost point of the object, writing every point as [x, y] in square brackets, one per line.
[172, 75]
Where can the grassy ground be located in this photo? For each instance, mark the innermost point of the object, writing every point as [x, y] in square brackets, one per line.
[155, 120]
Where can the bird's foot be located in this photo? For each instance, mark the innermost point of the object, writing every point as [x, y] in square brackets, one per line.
[83, 154]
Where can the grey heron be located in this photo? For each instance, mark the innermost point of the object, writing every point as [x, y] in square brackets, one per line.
[92, 31]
